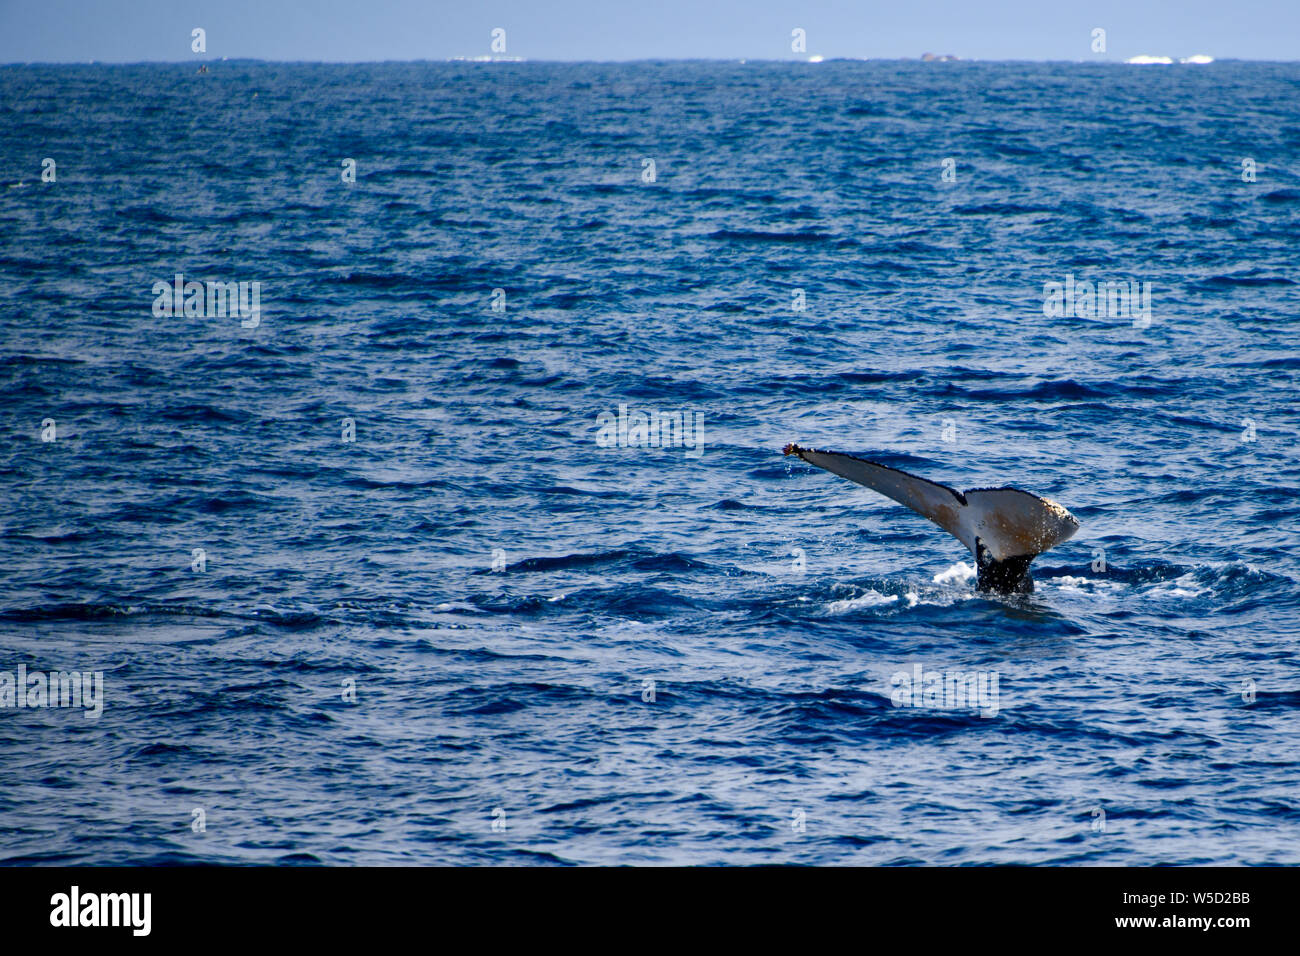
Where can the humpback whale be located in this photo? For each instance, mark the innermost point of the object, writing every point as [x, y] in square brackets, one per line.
[1005, 528]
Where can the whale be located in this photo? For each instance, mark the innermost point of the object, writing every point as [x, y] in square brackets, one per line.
[1004, 528]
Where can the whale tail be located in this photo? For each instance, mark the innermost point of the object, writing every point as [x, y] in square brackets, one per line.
[1004, 528]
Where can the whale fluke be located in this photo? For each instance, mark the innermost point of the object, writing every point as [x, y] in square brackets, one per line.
[1005, 528]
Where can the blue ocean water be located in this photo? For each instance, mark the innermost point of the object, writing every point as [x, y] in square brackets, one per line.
[475, 635]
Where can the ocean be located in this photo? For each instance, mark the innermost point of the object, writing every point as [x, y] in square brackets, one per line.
[456, 528]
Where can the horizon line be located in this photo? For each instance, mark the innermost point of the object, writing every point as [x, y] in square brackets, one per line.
[484, 59]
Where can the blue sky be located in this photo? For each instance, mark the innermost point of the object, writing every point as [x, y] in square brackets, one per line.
[363, 30]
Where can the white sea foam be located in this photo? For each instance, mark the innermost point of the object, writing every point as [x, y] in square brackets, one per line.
[957, 574]
[1079, 585]
[870, 599]
[1180, 587]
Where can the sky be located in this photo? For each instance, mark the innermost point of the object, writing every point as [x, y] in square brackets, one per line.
[127, 31]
